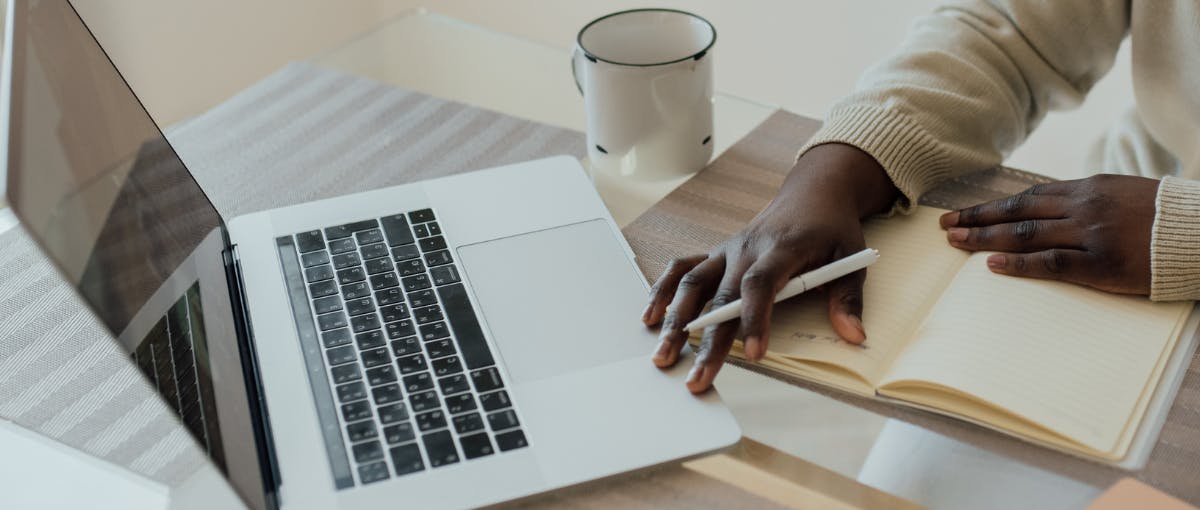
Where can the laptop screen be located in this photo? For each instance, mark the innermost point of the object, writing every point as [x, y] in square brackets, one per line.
[100, 189]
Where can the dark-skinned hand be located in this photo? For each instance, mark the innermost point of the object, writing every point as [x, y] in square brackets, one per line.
[816, 218]
[1093, 232]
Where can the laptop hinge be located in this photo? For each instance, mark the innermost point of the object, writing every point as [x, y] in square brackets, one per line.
[264, 441]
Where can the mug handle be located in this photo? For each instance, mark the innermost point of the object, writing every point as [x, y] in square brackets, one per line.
[575, 53]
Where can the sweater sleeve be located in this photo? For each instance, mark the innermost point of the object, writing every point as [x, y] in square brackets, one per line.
[970, 82]
[1175, 241]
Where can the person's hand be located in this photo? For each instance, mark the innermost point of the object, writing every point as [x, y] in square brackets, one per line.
[1093, 232]
[815, 219]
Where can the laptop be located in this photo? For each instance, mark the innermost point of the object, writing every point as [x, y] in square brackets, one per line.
[455, 342]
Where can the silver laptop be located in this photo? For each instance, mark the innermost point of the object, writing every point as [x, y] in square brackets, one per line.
[450, 343]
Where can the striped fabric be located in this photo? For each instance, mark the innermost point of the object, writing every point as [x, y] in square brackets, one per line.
[301, 134]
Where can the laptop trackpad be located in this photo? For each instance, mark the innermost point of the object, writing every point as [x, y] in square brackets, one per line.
[559, 300]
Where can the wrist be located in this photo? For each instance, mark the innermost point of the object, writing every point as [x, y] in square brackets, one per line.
[843, 175]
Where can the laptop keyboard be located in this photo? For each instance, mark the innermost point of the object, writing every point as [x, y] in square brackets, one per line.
[398, 363]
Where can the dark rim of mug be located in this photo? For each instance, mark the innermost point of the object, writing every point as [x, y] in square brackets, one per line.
[694, 56]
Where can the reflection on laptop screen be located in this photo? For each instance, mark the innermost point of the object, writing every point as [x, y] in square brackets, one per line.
[97, 185]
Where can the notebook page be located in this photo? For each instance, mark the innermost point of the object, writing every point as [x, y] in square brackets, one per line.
[915, 265]
[1074, 360]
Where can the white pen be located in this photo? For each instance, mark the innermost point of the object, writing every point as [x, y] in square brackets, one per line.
[810, 280]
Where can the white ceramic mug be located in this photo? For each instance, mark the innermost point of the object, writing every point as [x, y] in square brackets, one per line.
[646, 80]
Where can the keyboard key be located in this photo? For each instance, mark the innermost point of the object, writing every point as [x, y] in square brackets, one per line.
[411, 364]
[369, 236]
[339, 355]
[355, 291]
[322, 289]
[438, 258]
[454, 384]
[486, 380]
[439, 348]
[444, 275]
[494, 401]
[310, 241]
[421, 231]
[370, 340]
[376, 357]
[393, 413]
[345, 373]
[367, 452]
[408, 251]
[461, 403]
[364, 323]
[315, 258]
[352, 391]
[342, 231]
[400, 329]
[361, 431]
[341, 246]
[327, 304]
[506, 419]
[373, 251]
[405, 346]
[386, 394]
[468, 423]
[511, 440]
[434, 229]
[421, 216]
[396, 229]
[421, 298]
[407, 459]
[418, 382]
[416, 282]
[431, 420]
[394, 312]
[440, 447]
[355, 411]
[373, 472]
[384, 281]
[471, 343]
[376, 266]
[346, 260]
[446, 366]
[389, 297]
[318, 273]
[331, 321]
[476, 445]
[381, 375]
[427, 314]
[410, 267]
[351, 275]
[424, 401]
[434, 331]
[432, 244]
[398, 433]
[335, 338]
[360, 306]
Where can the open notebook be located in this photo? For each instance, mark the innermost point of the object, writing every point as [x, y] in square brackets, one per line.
[1052, 363]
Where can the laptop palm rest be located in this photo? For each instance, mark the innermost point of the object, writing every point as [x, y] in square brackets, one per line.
[559, 300]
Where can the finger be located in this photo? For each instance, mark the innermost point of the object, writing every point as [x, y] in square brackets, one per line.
[1025, 236]
[1022, 206]
[846, 306]
[664, 288]
[759, 286]
[718, 338]
[694, 289]
[1057, 264]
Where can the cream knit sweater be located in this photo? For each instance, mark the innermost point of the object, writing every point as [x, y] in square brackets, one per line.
[972, 80]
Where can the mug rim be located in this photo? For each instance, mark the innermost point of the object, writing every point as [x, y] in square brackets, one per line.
[694, 56]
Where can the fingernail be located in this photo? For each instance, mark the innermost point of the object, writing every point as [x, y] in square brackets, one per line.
[995, 261]
[753, 348]
[950, 219]
[856, 321]
[662, 352]
[646, 314]
[957, 234]
[695, 374]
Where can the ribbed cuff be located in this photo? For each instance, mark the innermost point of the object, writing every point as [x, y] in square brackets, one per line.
[909, 155]
[1175, 241]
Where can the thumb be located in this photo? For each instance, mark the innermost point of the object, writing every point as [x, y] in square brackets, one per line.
[846, 306]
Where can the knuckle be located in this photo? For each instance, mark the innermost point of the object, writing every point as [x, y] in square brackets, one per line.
[970, 215]
[691, 280]
[1012, 205]
[724, 297]
[1025, 230]
[1020, 263]
[756, 279]
[1056, 262]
